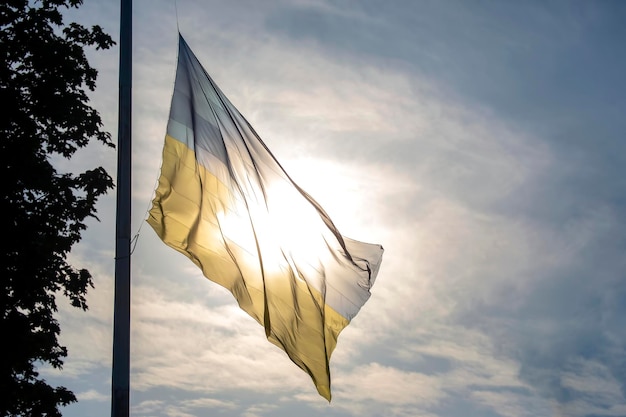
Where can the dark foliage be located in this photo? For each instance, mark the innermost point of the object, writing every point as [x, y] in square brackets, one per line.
[45, 113]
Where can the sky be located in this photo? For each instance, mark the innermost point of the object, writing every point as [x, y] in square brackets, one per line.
[482, 143]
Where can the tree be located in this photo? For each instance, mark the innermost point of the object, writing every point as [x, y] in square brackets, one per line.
[45, 115]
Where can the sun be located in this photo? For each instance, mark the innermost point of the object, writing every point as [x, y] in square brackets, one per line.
[283, 228]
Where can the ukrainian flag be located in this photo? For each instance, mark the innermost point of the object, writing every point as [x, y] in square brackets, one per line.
[226, 203]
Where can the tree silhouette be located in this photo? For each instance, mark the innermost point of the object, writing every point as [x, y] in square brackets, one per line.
[45, 115]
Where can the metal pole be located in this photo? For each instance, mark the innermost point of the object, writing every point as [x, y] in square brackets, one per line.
[120, 393]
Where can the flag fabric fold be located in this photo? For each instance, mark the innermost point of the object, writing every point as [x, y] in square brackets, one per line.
[226, 203]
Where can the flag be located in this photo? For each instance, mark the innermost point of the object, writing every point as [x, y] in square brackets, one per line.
[225, 202]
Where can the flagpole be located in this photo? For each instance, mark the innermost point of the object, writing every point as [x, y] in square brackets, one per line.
[120, 392]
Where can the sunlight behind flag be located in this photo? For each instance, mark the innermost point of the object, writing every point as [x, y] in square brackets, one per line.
[226, 203]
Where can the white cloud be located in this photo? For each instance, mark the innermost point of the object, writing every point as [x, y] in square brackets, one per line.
[209, 403]
[594, 384]
[207, 349]
[511, 404]
[258, 410]
[388, 385]
[148, 407]
[92, 395]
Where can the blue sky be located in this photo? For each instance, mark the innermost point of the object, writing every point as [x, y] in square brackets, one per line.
[480, 142]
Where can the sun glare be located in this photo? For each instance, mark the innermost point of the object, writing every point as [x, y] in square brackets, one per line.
[287, 227]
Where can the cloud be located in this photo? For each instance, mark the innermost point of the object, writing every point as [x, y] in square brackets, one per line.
[387, 386]
[196, 347]
[258, 410]
[92, 395]
[513, 404]
[594, 381]
[148, 407]
[209, 403]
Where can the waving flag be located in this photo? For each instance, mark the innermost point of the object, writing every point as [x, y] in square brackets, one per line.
[226, 203]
